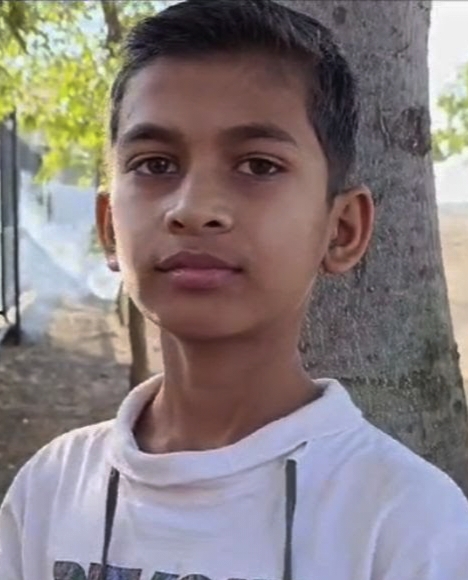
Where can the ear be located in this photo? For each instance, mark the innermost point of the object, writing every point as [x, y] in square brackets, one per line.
[351, 225]
[106, 230]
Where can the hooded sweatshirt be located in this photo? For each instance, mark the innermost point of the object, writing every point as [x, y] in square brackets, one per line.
[320, 494]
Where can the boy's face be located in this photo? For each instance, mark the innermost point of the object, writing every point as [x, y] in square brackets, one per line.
[216, 156]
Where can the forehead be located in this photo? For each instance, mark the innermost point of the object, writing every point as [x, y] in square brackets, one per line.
[201, 94]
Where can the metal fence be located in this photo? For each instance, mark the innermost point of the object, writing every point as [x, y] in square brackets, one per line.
[9, 230]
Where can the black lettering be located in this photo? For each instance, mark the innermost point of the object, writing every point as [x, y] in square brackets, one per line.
[68, 571]
[164, 576]
[113, 573]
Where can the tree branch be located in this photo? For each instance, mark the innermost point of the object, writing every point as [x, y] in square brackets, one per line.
[15, 20]
[114, 27]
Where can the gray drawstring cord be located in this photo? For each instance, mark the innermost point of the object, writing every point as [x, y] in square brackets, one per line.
[291, 494]
[111, 505]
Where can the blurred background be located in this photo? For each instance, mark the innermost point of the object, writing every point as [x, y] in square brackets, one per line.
[56, 63]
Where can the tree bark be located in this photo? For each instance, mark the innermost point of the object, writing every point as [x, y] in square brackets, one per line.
[139, 366]
[110, 12]
[385, 330]
[129, 316]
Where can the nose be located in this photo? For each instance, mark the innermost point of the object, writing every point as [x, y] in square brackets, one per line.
[199, 211]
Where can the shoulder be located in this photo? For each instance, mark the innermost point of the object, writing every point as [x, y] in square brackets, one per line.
[422, 513]
[69, 456]
[80, 443]
[398, 476]
[48, 482]
[402, 471]
[385, 486]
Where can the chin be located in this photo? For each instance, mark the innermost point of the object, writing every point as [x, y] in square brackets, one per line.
[189, 324]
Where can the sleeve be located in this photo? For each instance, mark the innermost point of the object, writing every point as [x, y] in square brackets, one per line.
[424, 535]
[11, 517]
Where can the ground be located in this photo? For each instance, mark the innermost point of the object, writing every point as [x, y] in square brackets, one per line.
[75, 376]
[79, 373]
[454, 234]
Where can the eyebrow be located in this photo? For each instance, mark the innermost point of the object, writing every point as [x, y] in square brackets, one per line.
[151, 132]
[253, 131]
[249, 132]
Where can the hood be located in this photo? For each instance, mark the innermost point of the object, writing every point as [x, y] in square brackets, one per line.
[333, 413]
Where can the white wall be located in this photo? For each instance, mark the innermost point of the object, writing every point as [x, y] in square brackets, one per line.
[55, 258]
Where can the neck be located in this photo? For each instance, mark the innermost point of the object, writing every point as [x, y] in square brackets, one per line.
[214, 393]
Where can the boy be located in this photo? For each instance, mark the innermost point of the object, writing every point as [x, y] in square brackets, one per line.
[232, 133]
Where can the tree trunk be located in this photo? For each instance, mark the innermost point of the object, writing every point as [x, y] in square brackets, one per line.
[139, 366]
[385, 330]
[130, 317]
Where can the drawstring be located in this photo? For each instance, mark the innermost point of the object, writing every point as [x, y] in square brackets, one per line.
[111, 504]
[291, 492]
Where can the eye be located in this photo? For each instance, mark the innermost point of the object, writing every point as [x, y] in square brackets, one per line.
[259, 167]
[155, 166]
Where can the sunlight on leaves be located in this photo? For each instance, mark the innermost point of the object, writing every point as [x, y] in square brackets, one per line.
[452, 139]
[57, 61]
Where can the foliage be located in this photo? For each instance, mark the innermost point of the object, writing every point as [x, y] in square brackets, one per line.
[57, 59]
[453, 138]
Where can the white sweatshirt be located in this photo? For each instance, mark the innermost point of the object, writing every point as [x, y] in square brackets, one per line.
[366, 508]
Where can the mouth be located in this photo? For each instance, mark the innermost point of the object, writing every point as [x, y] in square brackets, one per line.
[198, 271]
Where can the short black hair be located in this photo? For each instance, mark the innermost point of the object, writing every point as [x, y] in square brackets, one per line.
[200, 27]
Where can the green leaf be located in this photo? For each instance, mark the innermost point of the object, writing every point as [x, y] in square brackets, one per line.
[56, 68]
[453, 138]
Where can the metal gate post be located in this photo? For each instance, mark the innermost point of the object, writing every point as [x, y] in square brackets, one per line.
[9, 224]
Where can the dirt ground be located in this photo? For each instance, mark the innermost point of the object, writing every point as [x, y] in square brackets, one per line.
[75, 376]
[454, 235]
[78, 374]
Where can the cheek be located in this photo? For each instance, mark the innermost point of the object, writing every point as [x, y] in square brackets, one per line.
[292, 246]
[135, 227]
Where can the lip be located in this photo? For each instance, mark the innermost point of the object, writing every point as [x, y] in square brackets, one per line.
[198, 271]
[194, 261]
